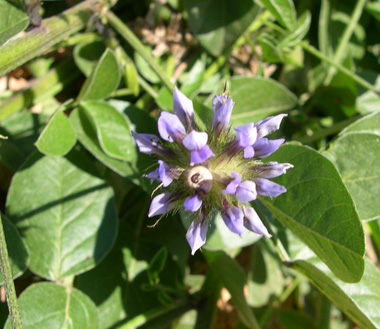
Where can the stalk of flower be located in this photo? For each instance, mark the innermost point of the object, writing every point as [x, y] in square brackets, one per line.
[213, 170]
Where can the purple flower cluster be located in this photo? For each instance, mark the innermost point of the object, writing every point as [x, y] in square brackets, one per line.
[217, 169]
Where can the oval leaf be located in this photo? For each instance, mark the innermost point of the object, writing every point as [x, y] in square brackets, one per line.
[12, 20]
[225, 22]
[103, 80]
[319, 210]
[58, 137]
[257, 98]
[17, 252]
[86, 56]
[49, 305]
[112, 129]
[65, 213]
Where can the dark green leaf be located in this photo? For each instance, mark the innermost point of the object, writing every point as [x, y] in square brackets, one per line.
[256, 98]
[58, 137]
[87, 55]
[156, 265]
[283, 11]
[12, 20]
[112, 128]
[218, 24]
[17, 251]
[65, 213]
[103, 80]
[49, 305]
[319, 210]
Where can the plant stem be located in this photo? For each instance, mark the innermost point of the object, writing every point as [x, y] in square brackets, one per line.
[341, 52]
[52, 30]
[10, 291]
[130, 37]
[312, 50]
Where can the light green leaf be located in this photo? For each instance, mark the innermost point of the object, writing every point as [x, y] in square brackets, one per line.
[112, 128]
[17, 252]
[58, 137]
[218, 24]
[87, 55]
[358, 301]
[283, 11]
[298, 32]
[145, 69]
[192, 80]
[48, 305]
[269, 47]
[256, 98]
[319, 210]
[360, 172]
[65, 213]
[12, 20]
[103, 80]
[232, 277]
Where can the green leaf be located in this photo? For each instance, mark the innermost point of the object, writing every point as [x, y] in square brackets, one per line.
[145, 69]
[17, 251]
[358, 301]
[12, 20]
[256, 98]
[319, 210]
[112, 128]
[269, 47]
[283, 11]
[87, 55]
[192, 80]
[218, 24]
[360, 172]
[58, 137]
[103, 80]
[156, 265]
[298, 32]
[49, 305]
[65, 213]
[232, 277]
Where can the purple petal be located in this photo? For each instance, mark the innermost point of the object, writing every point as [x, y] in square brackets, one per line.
[265, 147]
[246, 134]
[268, 188]
[249, 152]
[192, 203]
[170, 127]
[195, 140]
[148, 144]
[272, 169]
[232, 186]
[161, 174]
[183, 108]
[160, 204]
[201, 156]
[222, 112]
[196, 235]
[246, 191]
[268, 125]
[253, 222]
[233, 218]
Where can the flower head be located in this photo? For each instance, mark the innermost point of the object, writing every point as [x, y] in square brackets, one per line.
[218, 169]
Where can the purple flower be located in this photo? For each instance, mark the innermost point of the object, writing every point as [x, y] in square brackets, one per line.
[196, 234]
[170, 127]
[196, 142]
[246, 136]
[253, 222]
[222, 107]
[268, 188]
[265, 147]
[149, 144]
[183, 108]
[245, 191]
[268, 125]
[233, 218]
[272, 169]
[161, 204]
[161, 174]
[192, 203]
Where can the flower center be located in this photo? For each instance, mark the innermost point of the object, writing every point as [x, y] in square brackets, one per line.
[199, 178]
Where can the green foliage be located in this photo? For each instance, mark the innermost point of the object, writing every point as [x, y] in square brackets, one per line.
[72, 182]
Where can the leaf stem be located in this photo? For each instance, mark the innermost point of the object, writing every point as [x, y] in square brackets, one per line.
[10, 291]
[312, 50]
[131, 38]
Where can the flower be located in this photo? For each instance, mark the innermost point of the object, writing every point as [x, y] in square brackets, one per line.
[218, 169]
